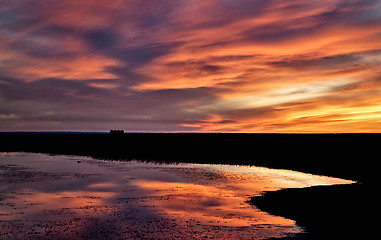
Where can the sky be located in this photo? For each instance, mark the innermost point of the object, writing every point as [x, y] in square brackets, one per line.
[274, 66]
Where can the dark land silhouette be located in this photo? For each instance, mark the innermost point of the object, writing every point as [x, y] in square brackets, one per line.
[349, 156]
[326, 212]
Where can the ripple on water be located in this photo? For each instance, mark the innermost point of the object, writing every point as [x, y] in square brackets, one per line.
[46, 196]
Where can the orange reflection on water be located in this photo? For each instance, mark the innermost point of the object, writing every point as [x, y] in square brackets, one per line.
[127, 200]
[30, 204]
[218, 196]
[209, 205]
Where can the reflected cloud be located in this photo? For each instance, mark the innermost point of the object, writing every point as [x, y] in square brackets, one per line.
[208, 205]
[98, 199]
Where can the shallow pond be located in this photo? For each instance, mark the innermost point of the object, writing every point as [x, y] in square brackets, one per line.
[71, 197]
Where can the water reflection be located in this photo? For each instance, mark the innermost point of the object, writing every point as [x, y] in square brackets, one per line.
[208, 205]
[55, 196]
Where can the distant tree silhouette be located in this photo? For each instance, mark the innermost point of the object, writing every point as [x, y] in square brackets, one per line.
[116, 132]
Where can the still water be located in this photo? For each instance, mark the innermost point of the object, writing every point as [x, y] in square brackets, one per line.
[71, 197]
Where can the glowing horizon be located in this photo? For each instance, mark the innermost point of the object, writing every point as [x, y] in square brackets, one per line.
[191, 66]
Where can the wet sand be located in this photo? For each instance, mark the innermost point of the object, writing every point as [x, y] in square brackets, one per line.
[70, 197]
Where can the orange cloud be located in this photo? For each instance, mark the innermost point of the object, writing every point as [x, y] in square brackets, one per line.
[279, 58]
[267, 66]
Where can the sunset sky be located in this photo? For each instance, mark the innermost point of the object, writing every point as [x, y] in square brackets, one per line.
[190, 65]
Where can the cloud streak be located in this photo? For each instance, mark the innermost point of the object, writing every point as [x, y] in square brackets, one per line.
[159, 65]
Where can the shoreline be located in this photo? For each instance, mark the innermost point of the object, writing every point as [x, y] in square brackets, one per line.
[321, 154]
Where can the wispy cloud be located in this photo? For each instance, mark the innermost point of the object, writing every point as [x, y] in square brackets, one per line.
[162, 65]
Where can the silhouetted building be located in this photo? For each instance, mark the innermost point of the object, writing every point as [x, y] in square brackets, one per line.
[116, 132]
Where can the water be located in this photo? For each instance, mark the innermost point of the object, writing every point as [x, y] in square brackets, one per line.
[71, 197]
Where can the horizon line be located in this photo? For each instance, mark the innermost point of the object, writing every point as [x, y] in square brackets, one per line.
[180, 132]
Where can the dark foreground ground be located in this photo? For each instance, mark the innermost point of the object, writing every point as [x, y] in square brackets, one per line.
[327, 212]
[333, 212]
